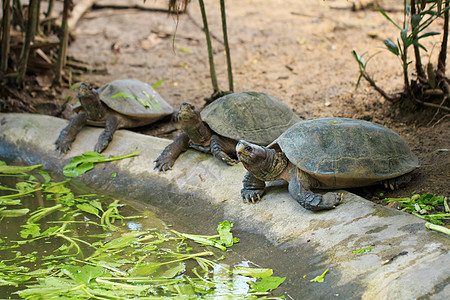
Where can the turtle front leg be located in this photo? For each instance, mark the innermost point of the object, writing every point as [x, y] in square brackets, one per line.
[310, 200]
[253, 189]
[70, 132]
[220, 146]
[112, 123]
[167, 158]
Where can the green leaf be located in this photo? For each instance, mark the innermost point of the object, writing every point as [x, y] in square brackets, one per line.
[86, 207]
[174, 271]
[226, 237]
[158, 83]
[319, 278]
[253, 272]
[97, 204]
[12, 213]
[30, 229]
[85, 162]
[85, 274]
[359, 59]
[145, 269]
[10, 201]
[415, 20]
[404, 35]
[5, 188]
[363, 250]
[390, 20]
[75, 85]
[122, 94]
[391, 46]
[25, 187]
[57, 188]
[45, 175]
[17, 169]
[267, 283]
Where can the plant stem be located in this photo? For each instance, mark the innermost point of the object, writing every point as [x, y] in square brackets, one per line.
[6, 25]
[212, 69]
[103, 266]
[443, 54]
[439, 228]
[51, 4]
[29, 37]
[227, 46]
[419, 67]
[120, 157]
[20, 194]
[63, 43]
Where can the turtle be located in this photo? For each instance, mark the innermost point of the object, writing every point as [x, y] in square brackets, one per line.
[326, 153]
[254, 116]
[124, 103]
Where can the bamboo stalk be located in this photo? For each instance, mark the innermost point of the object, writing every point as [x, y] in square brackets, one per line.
[212, 69]
[443, 54]
[29, 37]
[6, 25]
[51, 4]
[62, 51]
[419, 67]
[18, 17]
[227, 47]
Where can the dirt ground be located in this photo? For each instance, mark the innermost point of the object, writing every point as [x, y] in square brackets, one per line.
[297, 51]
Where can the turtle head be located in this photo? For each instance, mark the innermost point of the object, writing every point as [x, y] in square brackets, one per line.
[188, 113]
[264, 163]
[90, 101]
[250, 154]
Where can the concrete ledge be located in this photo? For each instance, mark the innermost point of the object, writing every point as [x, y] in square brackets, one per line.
[201, 188]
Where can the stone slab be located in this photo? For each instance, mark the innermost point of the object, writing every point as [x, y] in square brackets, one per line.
[202, 189]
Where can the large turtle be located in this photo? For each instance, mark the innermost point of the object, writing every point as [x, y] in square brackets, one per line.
[125, 103]
[254, 116]
[327, 153]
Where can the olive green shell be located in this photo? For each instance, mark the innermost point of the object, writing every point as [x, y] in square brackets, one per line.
[342, 152]
[255, 117]
[135, 99]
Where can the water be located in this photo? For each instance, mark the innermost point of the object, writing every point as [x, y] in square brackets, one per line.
[82, 226]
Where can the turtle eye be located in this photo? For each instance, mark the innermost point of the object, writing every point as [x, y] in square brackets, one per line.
[248, 148]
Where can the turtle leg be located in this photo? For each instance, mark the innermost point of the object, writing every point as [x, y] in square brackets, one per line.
[167, 158]
[220, 147]
[70, 132]
[112, 123]
[395, 183]
[310, 200]
[253, 188]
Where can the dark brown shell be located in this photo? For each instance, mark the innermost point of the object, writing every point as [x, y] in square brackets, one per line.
[252, 116]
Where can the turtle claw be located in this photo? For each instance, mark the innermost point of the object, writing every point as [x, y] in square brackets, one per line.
[331, 200]
[162, 165]
[230, 161]
[100, 147]
[62, 146]
[251, 196]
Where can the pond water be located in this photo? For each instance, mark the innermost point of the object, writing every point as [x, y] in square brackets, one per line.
[75, 243]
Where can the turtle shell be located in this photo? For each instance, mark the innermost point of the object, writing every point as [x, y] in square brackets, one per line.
[134, 98]
[342, 152]
[252, 116]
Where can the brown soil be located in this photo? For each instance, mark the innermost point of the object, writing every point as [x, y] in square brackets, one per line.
[299, 52]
